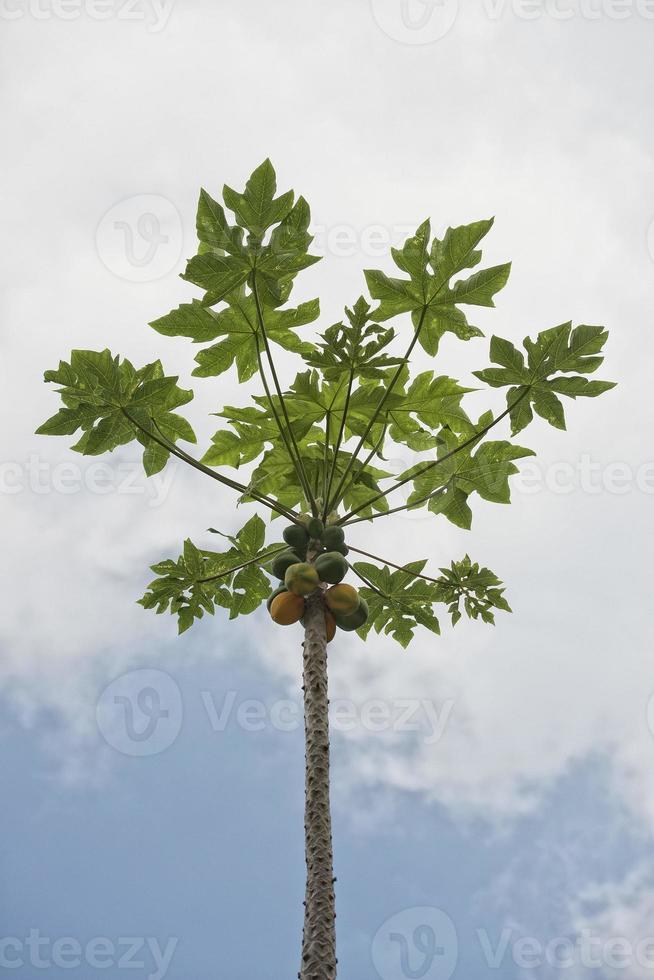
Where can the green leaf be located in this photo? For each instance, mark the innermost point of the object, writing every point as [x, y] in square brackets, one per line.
[537, 383]
[257, 207]
[218, 275]
[427, 295]
[112, 404]
[181, 586]
[398, 601]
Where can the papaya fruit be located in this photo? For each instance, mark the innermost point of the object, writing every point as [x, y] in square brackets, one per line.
[342, 549]
[273, 595]
[296, 536]
[301, 578]
[342, 599]
[282, 561]
[287, 608]
[315, 527]
[331, 567]
[354, 620]
[333, 537]
[330, 625]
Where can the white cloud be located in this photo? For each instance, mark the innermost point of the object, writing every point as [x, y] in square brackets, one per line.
[373, 132]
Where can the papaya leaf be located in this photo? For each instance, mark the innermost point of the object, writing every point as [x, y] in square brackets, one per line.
[427, 294]
[545, 375]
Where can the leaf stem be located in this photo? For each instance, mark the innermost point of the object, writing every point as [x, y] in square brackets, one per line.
[196, 464]
[382, 402]
[337, 445]
[400, 568]
[245, 564]
[436, 462]
[297, 460]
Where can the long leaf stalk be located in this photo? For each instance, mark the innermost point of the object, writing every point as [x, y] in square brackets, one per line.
[258, 559]
[435, 462]
[382, 402]
[300, 468]
[225, 480]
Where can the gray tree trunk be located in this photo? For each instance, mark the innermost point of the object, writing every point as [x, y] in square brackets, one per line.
[319, 937]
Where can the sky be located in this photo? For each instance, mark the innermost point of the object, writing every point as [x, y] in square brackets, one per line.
[493, 788]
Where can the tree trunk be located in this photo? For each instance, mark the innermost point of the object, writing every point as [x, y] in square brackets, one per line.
[319, 937]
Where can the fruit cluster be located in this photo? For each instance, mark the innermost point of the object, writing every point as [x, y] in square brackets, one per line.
[326, 570]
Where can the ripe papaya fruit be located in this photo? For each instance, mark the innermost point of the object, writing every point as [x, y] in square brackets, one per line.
[287, 608]
[315, 527]
[297, 537]
[330, 625]
[354, 620]
[333, 537]
[301, 578]
[342, 599]
[273, 595]
[282, 561]
[331, 567]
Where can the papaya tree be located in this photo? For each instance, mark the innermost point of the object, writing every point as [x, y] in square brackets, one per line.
[313, 443]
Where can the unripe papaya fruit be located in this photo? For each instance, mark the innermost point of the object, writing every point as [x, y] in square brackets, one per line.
[342, 599]
[301, 578]
[282, 561]
[354, 620]
[297, 537]
[273, 595]
[287, 608]
[315, 527]
[331, 567]
[333, 537]
[342, 549]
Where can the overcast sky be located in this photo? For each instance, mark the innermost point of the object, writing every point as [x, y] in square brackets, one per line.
[512, 815]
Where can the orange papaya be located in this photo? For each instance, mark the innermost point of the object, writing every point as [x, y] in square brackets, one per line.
[342, 599]
[287, 608]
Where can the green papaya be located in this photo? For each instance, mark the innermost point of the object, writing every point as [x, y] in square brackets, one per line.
[315, 527]
[331, 567]
[301, 578]
[333, 537]
[342, 549]
[297, 537]
[354, 620]
[282, 561]
[273, 595]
